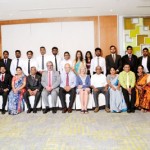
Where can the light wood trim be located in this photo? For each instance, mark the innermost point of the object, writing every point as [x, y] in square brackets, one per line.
[0, 43]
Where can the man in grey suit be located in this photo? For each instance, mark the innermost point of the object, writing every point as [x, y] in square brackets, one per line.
[50, 82]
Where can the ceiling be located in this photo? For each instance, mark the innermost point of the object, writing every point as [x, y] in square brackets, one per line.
[25, 9]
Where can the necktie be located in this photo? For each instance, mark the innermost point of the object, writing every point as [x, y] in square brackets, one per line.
[128, 82]
[5, 61]
[29, 66]
[2, 77]
[42, 62]
[17, 62]
[113, 57]
[67, 79]
[49, 79]
[130, 57]
[56, 63]
[97, 61]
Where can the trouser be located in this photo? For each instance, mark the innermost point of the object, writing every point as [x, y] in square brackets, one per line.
[5, 96]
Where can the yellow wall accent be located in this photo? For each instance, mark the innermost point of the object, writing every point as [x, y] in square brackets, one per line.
[128, 24]
[147, 40]
[133, 33]
[140, 39]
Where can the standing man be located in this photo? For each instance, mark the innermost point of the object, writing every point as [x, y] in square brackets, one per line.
[113, 60]
[98, 61]
[50, 82]
[16, 62]
[66, 60]
[5, 86]
[42, 60]
[99, 85]
[34, 88]
[55, 58]
[67, 86]
[6, 61]
[127, 82]
[28, 63]
[145, 60]
[130, 59]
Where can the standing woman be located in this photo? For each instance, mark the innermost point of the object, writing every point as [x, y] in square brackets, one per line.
[15, 98]
[78, 62]
[117, 102]
[83, 88]
[88, 58]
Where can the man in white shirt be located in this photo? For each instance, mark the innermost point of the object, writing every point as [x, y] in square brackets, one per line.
[28, 63]
[16, 62]
[99, 85]
[42, 60]
[98, 61]
[55, 58]
[65, 61]
[145, 60]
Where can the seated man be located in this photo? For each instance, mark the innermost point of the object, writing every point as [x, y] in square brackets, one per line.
[67, 86]
[5, 86]
[34, 88]
[127, 82]
[50, 82]
[99, 85]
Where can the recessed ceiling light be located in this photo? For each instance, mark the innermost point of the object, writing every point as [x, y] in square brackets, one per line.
[111, 10]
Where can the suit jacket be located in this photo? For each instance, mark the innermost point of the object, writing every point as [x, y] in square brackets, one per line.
[148, 62]
[133, 63]
[34, 83]
[110, 63]
[7, 65]
[6, 83]
[55, 79]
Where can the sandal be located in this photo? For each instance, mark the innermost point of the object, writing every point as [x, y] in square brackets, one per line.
[86, 112]
[82, 111]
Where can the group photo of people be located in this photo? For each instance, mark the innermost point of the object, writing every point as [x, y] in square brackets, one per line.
[123, 80]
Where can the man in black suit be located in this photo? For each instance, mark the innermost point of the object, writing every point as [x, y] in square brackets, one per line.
[130, 59]
[6, 61]
[34, 88]
[145, 60]
[113, 60]
[5, 86]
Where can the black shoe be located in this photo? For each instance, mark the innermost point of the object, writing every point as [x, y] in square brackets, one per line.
[29, 111]
[3, 112]
[46, 110]
[64, 110]
[132, 111]
[54, 110]
[128, 111]
[34, 110]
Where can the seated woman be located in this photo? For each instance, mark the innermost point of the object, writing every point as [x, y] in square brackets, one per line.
[145, 103]
[15, 97]
[83, 88]
[117, 102]
[141, 79]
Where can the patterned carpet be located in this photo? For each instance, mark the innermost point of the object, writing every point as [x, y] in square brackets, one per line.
[100, 131]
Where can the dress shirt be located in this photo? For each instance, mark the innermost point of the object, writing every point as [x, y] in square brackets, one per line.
[124, 76]
[94, 64]
[14, 65]
[98, 80]
[52, 58]
[33, 63]
[72, 79]
[144, 64]
[62, 64]
[39, 62]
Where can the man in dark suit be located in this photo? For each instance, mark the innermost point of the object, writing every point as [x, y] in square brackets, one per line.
[34, 88]
[130, 59]
[6, 61]
[113, 60]
[145, 60]
[5, 86]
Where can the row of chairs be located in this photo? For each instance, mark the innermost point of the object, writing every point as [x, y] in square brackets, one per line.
[76, 105]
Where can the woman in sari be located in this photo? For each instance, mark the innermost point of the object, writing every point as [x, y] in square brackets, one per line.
[117, 102]
[141, 81]
[78, 62]
[15, 97]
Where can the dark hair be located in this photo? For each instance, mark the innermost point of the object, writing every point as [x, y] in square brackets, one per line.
[126, 64]
[81, 58]
[145, 49]
[112, 46]
[18, 51]
[129, 47]
[42, 47]
[30, 52]
[86, 59]
[98, 49]
[19, 68]
[6, 52]
[54, 48]
[140, 66]
[3, 66]
[66, 53]
[111, 68]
